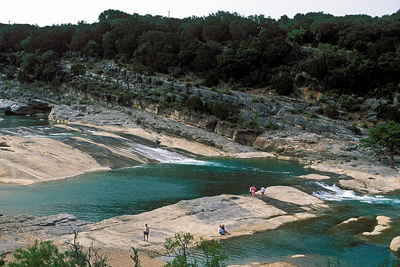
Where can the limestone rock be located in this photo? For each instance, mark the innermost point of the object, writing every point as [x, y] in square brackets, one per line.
[291, 195]
[15, 231]
[245, 137]
[395, 244]
[13, 108]
[382, 224]
[241, 215]
[314, 176]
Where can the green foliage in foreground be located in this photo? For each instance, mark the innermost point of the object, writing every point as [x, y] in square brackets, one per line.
[40, 254]
[384, 140]
[45, 254]
[212, 253]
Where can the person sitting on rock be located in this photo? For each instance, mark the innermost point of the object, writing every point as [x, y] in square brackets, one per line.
[221, 230]
[224, 230]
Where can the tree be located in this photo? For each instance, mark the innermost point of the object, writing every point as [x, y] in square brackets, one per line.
[89, 258]
[39, 66]
[212, 253]
[178, 246]
[39, 254]
[283, 84]
[384, 140]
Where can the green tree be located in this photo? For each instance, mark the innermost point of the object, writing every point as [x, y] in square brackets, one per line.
[39, 254]
[384, 140]
[39, 66]
[212, 253]
[283, 84]
[179, 247]
[113, 14]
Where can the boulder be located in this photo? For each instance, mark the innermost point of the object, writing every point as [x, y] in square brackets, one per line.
[291, 195]
[225, 129]
[8, 107]
[314, 176]
[395, 244]
[382, 224]
[245, 137]
[207, 124]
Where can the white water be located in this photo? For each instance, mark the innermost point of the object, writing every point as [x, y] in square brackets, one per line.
[334, 193]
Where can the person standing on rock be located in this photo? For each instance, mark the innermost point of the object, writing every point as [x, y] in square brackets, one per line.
[250, 190]
[262, 191]
[146, 232]
[253, 190]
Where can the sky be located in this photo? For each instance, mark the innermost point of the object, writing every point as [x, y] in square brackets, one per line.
[49, 12]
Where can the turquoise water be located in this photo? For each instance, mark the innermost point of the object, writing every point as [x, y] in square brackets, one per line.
[26, 121]
[100, 195]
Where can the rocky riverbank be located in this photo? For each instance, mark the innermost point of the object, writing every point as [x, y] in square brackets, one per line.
[324, 154]
[329, 155]
[242, 215]
[323, 144]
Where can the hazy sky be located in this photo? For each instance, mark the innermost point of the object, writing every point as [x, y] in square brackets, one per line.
[49, 12]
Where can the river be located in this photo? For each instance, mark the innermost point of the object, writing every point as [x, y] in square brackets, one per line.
[100, 195]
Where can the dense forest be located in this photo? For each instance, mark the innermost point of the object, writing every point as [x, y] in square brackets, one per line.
[352, 55]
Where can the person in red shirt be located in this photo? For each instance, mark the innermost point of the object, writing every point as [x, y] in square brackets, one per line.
[253, 190]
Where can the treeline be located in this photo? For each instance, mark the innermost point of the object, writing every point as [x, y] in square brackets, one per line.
[352, 55]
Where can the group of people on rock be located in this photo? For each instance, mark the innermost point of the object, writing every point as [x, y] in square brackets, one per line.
[253, 189]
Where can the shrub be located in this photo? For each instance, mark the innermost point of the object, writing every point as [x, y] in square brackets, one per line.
[355, 129]
[77, 69]
[213, 253]
[388, 113]
[350, 104]
[270, 126]
[211, 79]
[2, 260]
[39, 254]
[194, 103]
[283, 84]
[300, 80]
[323, 99]
[252, 124]
[331, 111]
[226, 111]
[313, 116]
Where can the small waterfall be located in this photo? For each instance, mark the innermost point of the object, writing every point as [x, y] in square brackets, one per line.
[157, 154]
[334, 193]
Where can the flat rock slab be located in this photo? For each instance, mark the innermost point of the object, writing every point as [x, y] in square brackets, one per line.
[291, 195]
[241, 215]
[314, 176]
[16, 231]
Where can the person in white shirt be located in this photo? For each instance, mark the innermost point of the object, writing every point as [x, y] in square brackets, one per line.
[146, 232]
